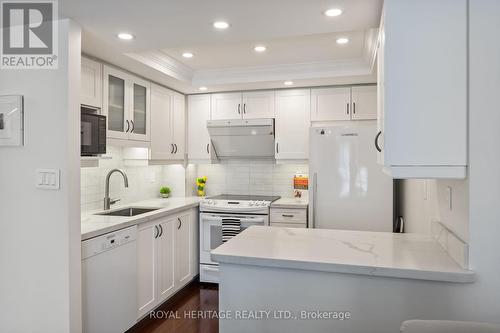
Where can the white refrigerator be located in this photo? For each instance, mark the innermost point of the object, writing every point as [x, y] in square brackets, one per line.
[349, 189]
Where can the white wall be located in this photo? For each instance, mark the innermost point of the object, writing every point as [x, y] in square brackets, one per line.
[40, 229]
[144, 180]
[256, 177]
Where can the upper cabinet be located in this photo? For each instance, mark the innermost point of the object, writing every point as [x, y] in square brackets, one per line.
[246, 105]
[344, 103]
[91, 83]
[293, 109]
[423, 90]
[364, 102]
[226, 106]
[198, 113]
[167, 124]
[258, 104]
[126, 102]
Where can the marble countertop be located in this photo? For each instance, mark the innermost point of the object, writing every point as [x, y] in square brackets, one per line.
[96, 225]
[408, 256]
[290, 203]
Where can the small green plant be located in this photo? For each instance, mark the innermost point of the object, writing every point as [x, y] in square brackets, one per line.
[165, 191]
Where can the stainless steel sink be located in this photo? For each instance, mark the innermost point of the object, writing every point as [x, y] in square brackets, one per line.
[129, 211]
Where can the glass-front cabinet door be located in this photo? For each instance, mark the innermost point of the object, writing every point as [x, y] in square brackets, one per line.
[115, 103]
[126, 105]
[139, 117]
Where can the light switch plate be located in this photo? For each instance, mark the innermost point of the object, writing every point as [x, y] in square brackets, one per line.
[48, 179]
[11, 120]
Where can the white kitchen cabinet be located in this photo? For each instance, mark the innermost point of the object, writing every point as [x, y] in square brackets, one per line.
[364, 102]
[292, 124]
[183, 248]
[198, 113]
[330, 104]
[167, 258]
[423, 90]
[243, 105]
[167, 124]
[288, 217]
[344, 103]
[147, 296]
[126, 103]
[258, 104]
[226, 106]
[91, 83]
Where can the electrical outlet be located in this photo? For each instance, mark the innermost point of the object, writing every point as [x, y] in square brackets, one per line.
[449, 197]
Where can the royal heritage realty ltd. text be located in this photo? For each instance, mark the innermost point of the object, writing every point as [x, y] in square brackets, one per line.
[252, 315]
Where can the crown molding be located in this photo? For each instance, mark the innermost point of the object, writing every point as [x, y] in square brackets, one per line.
[162, 62]
[312, 70]
[167, 65]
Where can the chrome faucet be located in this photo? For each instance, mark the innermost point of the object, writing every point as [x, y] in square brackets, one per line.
[107, 201]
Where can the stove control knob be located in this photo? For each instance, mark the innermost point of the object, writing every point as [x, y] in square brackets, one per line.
[251, 203]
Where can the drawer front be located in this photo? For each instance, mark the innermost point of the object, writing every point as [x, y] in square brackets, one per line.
[288, 215]
[289, 225]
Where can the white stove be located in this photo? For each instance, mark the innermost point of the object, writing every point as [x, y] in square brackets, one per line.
[241, 204]
[246, 210]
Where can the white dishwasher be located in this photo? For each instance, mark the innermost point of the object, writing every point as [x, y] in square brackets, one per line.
[109, 281]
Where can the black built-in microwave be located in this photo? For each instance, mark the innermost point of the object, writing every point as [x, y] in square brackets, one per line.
[93, 134]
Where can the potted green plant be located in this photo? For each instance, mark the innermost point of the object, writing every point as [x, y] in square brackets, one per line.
[165, 191]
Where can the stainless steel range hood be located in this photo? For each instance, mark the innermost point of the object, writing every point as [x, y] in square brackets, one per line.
[242, 138]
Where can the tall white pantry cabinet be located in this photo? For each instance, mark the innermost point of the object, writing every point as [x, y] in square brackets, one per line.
[422, 82]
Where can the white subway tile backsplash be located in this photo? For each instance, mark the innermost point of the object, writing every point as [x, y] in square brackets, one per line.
[258, 177]
[144, 181]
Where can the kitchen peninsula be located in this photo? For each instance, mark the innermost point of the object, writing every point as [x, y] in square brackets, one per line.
[367, 274]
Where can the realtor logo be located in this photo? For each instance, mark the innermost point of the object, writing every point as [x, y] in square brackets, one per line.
[29, 35]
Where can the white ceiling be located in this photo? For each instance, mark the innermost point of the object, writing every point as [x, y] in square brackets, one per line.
[300, 40]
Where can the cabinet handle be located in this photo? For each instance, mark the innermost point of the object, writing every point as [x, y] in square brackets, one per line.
[287, 215]
[244, 108]
[347, 108]
[161, 230]
[172, 148]
[239, 108]
[133, 127]
[175, 145]
[156, 231]
[277, 148]
[353, 107]
[180, 223]
[208, 148]
[128, 126]
[376, 142]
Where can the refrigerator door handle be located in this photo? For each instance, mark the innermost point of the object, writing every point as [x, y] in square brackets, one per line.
[315, 192]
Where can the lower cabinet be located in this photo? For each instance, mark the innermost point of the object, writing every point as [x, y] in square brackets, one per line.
[288, 217]
[166, 258]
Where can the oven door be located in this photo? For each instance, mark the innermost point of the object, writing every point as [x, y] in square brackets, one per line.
[211, 231]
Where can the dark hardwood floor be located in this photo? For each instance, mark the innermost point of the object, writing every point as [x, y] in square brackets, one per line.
[183, 314]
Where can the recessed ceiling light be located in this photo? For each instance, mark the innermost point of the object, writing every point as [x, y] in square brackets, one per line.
[288, 83]
[203, 88]
[125, 36]
[187, 55]
[333, 12]
[259, 48]
[221, 25]
[342, 40]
